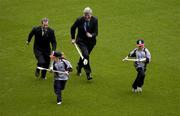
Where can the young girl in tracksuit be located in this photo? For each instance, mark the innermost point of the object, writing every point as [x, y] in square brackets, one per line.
[60, 79]
[139, 53]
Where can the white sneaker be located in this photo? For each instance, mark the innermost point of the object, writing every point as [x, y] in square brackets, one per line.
[139, 89]
[134, 90]
[59, 103]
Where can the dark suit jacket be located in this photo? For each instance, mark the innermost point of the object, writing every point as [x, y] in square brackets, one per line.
[81, 35]
[42, 41]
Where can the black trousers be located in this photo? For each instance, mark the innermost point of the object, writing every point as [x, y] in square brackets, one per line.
[86, 50]
[139, 81]
[43, 60]
[59, 85]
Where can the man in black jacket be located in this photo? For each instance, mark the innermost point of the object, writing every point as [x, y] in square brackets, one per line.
[44, 35]
[86, 38]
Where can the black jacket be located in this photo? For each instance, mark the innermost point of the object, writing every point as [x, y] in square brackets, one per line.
[42, 41]
[81, 35]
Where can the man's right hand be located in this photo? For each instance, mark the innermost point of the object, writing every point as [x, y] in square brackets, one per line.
[73, 41]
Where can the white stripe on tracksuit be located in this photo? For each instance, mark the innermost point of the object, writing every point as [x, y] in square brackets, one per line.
[138, 54]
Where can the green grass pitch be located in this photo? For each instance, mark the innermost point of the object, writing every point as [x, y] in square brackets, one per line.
[121, 22]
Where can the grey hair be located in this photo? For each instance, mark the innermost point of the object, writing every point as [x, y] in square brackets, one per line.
[87, 10]
[45, 19]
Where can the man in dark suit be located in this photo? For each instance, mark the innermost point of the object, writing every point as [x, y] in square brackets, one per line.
[87, 26]
[44, 35]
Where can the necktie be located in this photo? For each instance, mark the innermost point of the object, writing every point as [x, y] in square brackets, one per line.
[86, 26]
[43, 32]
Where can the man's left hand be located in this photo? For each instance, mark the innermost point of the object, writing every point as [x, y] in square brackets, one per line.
[88, 35]
[27, 43]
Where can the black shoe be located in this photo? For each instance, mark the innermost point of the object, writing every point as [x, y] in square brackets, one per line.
[78, 71]
[89, 77]
[37, 73]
